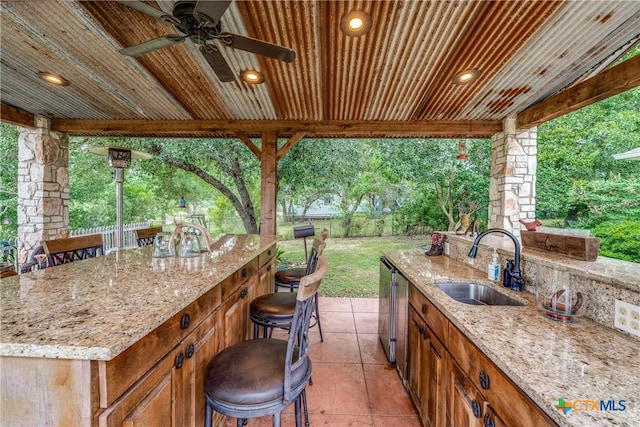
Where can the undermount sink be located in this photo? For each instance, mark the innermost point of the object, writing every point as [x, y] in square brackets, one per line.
[476, 294]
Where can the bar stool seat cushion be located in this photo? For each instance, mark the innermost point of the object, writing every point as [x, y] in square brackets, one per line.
[290, 276]
[274, 307]
[251, 372]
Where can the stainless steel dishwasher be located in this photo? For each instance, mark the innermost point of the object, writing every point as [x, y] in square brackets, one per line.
[392, 315]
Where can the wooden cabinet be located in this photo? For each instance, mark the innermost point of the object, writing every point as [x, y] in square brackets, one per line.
[453, 383]
[170, 392]
[237, 323]
[494, 385]
[466, 405]
[426, 369]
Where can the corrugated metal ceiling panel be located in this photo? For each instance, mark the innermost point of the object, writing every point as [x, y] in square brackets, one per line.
[400, 71]
[554, 56]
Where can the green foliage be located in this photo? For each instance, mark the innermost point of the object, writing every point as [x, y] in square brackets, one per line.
[620, 240]
[600, 201]
[579, 147]
[8, 180]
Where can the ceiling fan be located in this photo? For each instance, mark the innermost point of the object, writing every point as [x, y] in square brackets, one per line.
[199, 21]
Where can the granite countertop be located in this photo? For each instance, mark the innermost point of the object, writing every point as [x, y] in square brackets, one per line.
[547, 359]
[96, 308]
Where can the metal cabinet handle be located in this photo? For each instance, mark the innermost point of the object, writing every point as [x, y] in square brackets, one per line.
[190, 350]
[475, 407]
[179, 360]
[484, 380]
[488, 422]
[244, 272]
[244, 293]
[424, 308]
[185, 321]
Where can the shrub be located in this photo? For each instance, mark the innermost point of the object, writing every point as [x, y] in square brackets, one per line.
[619, 240]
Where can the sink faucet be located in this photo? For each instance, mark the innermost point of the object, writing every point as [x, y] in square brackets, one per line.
[512, 277]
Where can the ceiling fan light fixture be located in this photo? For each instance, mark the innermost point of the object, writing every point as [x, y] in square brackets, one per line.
[54, 79]
[356, 23]
[252, 77]
[466, 76]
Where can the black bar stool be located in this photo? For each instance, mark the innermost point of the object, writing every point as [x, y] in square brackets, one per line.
[263, 377]
[275, 310]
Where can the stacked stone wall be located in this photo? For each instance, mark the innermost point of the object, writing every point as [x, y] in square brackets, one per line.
[43, 186]
[512, 188]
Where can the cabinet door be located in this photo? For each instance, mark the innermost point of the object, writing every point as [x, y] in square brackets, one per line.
[171, 394]
[234, 314]
[415, 359]
[465, 405]
[150, 401]
[427, 365]
[155, 409]
[435, 384]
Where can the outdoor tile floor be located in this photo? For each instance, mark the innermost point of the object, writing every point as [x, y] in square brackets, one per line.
[353, 384]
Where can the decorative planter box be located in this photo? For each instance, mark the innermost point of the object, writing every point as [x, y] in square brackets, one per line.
[584, 248]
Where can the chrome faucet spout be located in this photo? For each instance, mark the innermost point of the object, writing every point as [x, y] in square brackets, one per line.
[516, 281]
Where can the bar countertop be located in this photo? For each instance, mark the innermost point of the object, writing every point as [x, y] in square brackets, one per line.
[96, 308]
[548, 360]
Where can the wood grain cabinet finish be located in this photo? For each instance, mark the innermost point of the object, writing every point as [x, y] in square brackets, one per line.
[453, 383]
[426, 370]
[170, 393]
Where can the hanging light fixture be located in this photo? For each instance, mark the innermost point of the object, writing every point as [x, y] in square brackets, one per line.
[182, 203]
[462, 150]
[6, 220]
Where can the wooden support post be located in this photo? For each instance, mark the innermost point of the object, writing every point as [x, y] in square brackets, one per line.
[269, 185]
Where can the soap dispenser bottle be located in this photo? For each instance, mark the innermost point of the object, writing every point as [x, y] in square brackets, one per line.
[493, 270]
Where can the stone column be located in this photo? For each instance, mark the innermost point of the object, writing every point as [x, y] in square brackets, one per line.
[512, 187]
[43, 186]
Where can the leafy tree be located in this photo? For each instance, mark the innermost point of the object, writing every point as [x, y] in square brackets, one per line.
[224, 164]
[8, 179]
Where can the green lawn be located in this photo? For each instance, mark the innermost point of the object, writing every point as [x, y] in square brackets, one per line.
[353, 263]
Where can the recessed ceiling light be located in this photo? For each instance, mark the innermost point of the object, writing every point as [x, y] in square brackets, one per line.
[356, 23]
[252, 77]
[466, 76]
[54, 79]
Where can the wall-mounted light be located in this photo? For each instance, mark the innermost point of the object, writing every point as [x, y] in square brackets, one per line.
[182, 203]
[54, 79]
[467, 76]
[356, 23]
[6, 220]
[252, 77]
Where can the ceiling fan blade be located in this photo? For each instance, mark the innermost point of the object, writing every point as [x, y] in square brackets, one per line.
[218, 64]
[144, 8]
[259, 47]
[212, 9]
[151, 45]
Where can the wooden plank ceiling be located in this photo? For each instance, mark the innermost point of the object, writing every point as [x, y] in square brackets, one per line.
[394, 81]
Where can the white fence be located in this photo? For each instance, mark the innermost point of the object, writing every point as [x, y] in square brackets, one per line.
[109, 232]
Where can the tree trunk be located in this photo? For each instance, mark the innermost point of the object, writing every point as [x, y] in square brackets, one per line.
[242, 204]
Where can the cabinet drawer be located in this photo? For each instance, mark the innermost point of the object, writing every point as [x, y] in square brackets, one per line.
[493, 384]
[265, 256]
[432, 316]
[118, 374]
[234, 281]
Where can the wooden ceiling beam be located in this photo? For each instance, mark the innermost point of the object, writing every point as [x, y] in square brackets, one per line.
[611, 82]
[16, 116]
[283, 128]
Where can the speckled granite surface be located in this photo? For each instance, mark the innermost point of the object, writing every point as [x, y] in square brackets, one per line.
[547, 359]
[96, 308]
